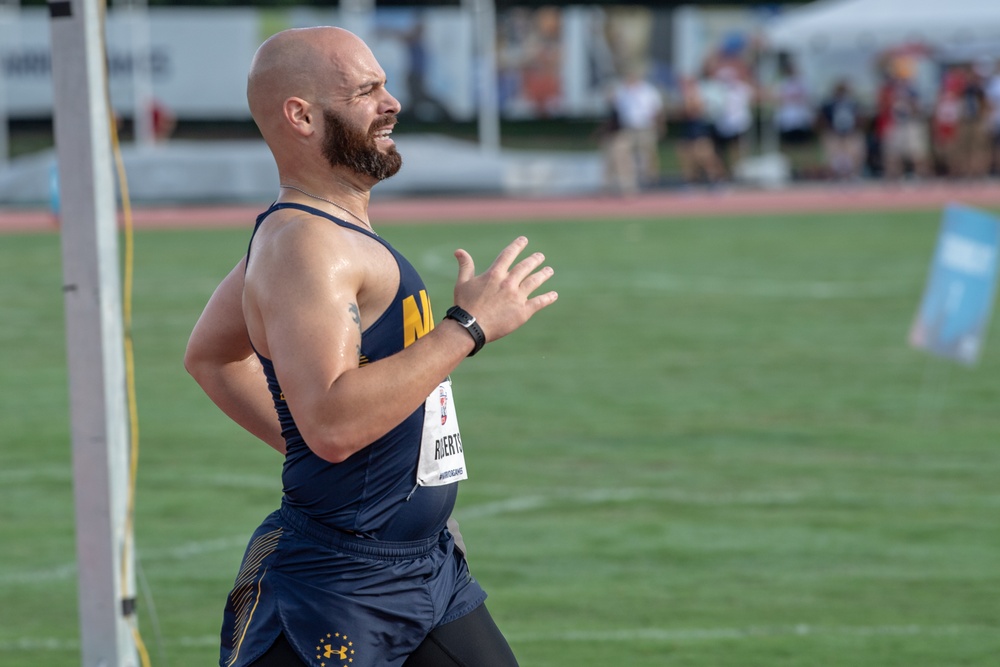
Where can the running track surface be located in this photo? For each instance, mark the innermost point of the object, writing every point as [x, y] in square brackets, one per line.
[927, 195]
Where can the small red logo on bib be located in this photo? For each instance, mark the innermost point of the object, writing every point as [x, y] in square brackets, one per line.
[444, 405]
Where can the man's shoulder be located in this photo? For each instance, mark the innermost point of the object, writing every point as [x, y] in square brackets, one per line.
[291, 236]
[295, 224]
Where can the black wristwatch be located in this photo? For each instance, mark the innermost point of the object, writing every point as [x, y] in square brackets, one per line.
[469, 322]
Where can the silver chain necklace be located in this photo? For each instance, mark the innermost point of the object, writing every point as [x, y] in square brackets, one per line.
[333, 203]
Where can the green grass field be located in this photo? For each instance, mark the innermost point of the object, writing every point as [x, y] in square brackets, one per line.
[716, 449]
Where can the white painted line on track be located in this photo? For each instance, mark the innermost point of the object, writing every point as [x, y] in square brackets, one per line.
[39, 576]
[35, 473]
[652, 635]
[512, 506]
[765, 288]
[712, 634]
[530, 503]
[176, 553]
[506, 506]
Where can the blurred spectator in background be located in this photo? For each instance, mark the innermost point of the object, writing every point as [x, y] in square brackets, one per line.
[733, 52]
[633, 147]
[542, 64]
[731, 109]
[903, 123]
[972, 149]
[841, 132]
[944, 122]
[793, 114]
[420, 102]
[695, 146]
[993, 95]
[529, 62]
[164, 121]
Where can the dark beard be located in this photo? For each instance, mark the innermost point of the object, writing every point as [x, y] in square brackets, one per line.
[344, 146]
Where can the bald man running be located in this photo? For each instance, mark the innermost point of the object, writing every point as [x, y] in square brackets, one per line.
[358, 565]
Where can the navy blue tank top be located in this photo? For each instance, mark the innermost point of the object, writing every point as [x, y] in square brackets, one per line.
[373, 492]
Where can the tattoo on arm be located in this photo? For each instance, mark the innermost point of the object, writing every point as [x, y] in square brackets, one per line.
[356, 316]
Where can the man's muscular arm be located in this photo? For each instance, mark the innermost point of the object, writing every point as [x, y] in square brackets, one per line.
[302, 288]
[220, 359]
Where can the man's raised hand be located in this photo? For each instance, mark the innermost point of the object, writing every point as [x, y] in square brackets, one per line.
[500, 297]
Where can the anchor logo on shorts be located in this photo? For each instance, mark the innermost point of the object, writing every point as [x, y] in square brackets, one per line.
[326, 648]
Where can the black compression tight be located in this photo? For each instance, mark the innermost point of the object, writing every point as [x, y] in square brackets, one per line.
[471, 641]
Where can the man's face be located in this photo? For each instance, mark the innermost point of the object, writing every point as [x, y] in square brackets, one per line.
[357, 148]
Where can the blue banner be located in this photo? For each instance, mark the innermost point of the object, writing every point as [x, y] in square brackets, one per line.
[958, 298]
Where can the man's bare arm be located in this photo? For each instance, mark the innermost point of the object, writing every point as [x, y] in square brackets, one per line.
[302, 288]
[220, 359]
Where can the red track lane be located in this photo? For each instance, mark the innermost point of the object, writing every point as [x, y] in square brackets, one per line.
[674, 204]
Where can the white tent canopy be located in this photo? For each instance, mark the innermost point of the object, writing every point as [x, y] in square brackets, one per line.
[840, 25]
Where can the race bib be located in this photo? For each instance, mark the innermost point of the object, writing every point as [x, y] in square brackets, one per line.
[442, 460]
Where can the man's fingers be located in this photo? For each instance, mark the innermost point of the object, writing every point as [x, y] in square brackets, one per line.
[524, 268]
[536, 279]
[466, 267]
[505, 288]
[536, 303]
[509, 254]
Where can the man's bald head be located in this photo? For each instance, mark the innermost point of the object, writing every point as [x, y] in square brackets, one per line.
[300, 62]
[318, 96]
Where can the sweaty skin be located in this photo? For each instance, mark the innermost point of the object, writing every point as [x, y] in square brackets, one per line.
[301, 298]
[308, 283]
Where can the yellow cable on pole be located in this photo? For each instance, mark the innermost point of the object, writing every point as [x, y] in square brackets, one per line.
[133, 410]
[129, 351]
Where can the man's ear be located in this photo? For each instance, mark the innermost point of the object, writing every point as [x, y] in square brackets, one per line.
[300, 115]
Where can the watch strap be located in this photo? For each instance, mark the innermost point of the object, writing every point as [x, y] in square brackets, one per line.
[470, 324]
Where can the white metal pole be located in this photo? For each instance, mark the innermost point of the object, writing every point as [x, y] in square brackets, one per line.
[94, 332]
[485, 27]
[767, 74]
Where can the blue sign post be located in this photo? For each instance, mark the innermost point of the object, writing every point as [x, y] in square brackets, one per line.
[958, 298]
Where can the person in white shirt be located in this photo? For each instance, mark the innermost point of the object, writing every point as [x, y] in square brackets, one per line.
[794, 115]
[633, 148]
[732, 113]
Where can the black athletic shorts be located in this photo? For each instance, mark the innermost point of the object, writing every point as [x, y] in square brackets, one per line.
[342, 599]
